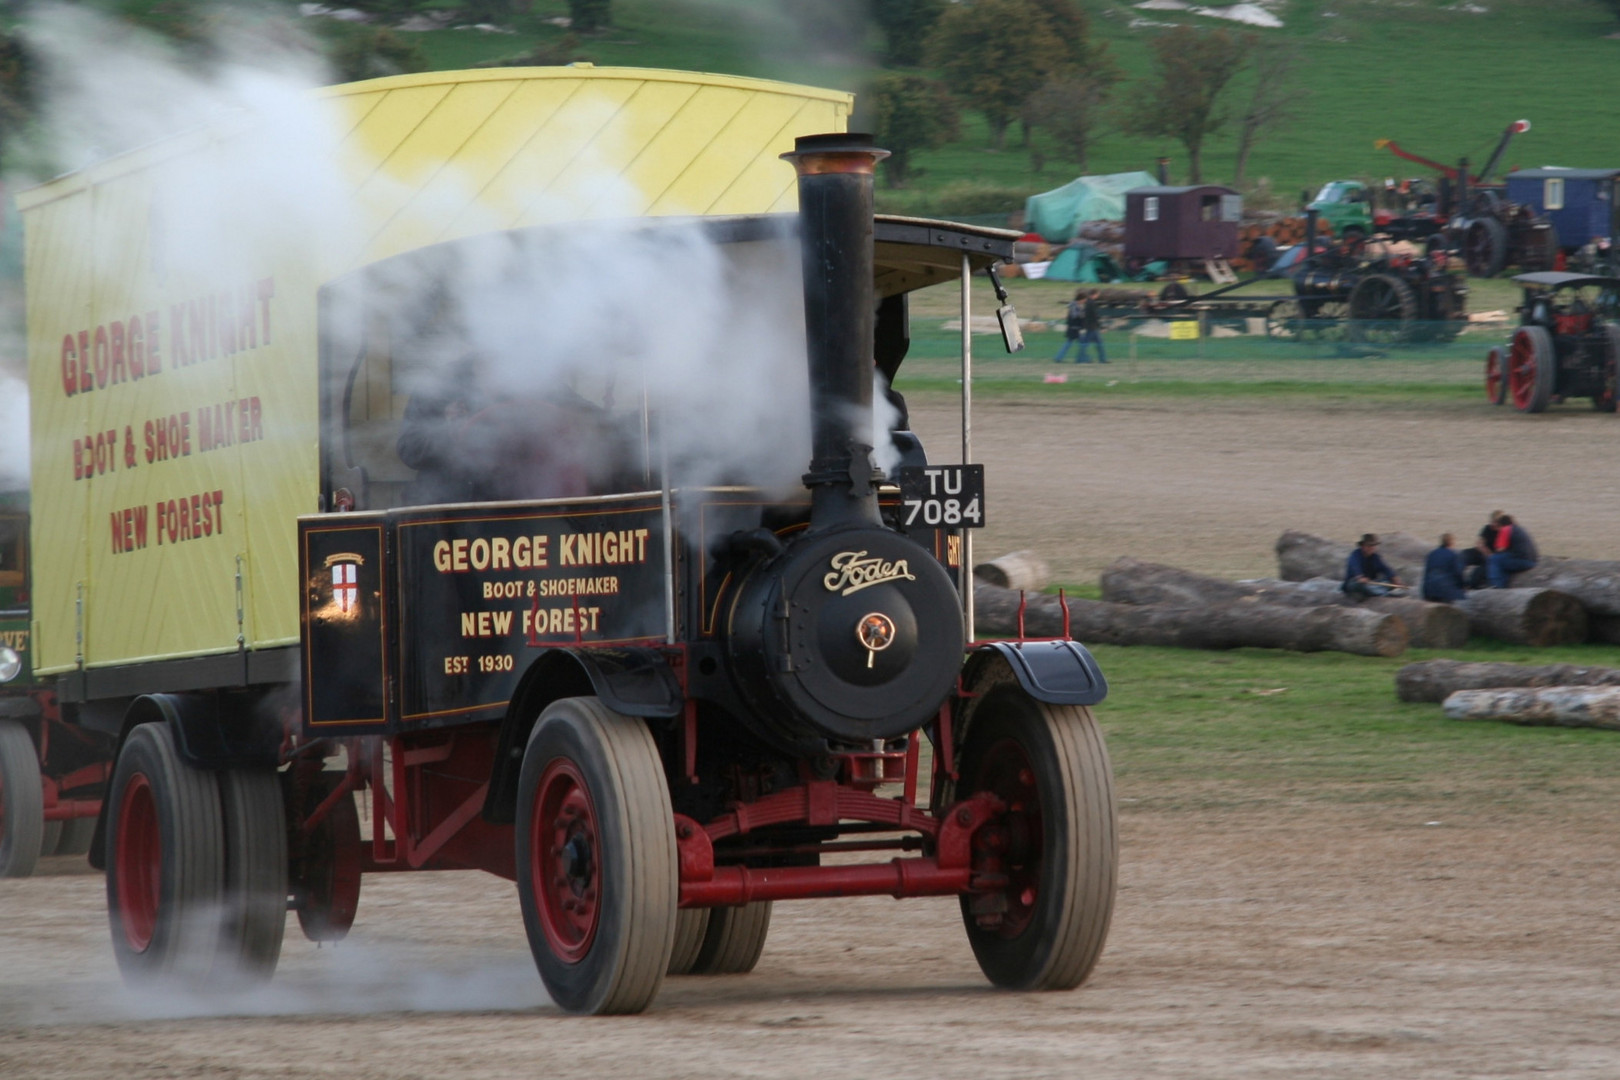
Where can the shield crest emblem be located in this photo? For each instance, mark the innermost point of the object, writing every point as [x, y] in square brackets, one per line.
[345, 585]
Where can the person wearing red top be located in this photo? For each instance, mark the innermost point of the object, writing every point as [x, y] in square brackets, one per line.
[1515, 552]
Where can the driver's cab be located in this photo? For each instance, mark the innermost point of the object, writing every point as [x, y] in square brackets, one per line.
[567, 362]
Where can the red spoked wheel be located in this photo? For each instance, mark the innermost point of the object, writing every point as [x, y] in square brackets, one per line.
[597, 865]
[165, 862]
[1531, 369]
[1045, 927]
[566, 871]
[1495, 377]
[138, 860]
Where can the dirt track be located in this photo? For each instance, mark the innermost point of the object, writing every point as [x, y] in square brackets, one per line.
[1287, 942]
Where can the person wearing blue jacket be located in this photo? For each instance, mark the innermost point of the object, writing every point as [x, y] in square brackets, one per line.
[1443, 573]
[1366, 573]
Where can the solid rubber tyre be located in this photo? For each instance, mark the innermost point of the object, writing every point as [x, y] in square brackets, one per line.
[691, 925]
[735, 938]
[75, 837]
[1531, 369]
[1496, 375]
[1049, 765]
[255, 903]
[326, 889]
[165, 861]
[597, 865]
[22, 802]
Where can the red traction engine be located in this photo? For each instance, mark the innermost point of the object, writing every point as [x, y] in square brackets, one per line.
[1567, 344]
[756, 700]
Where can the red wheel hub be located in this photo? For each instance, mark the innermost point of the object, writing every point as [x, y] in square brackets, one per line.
[564, 855]
[1522, 370]
[1008, 774]
[139, 857]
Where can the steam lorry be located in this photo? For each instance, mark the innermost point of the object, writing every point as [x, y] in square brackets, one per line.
[335, 520]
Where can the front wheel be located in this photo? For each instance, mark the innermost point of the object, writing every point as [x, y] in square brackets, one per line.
[734, 939]
[1047, 763]
[597, 867]
[1531, 364]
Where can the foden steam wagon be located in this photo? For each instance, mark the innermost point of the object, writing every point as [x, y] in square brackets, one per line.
[558, 634]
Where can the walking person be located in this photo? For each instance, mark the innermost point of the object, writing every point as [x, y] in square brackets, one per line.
[1074, 324]
[1515, 552]
[1091, 329]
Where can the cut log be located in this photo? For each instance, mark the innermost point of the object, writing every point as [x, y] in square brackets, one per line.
[1303, 555]
[1130, 581]
[1538, 617]
[1595, 582]
[1237, 625]
[1016, 570]
[1435, 680]
[1563, 706]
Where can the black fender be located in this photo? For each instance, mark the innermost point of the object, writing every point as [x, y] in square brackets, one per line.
[632, 681]
[209, 733]
[1057, 672]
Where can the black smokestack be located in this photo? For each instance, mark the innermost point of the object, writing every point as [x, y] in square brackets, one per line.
[1164, 172]
[835, 234]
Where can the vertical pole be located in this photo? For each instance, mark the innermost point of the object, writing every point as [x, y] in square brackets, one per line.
[966, 573]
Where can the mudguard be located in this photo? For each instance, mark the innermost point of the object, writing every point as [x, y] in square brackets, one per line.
[632, 681]
[1058, 672]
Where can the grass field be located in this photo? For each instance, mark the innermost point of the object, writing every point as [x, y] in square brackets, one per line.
[1441, 78]
[1202, 730]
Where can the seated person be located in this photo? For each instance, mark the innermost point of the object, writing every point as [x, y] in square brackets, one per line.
[1515, 552]
[1365, 572]
[1474, 558]
[1443, 573]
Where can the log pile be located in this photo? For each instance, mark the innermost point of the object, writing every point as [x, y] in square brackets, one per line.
[1242, 624]
[1129, 581]
[1540, 607]
[1436, 680]
[1015, 570]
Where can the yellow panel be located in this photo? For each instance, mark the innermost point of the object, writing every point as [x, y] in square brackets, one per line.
[431, 157]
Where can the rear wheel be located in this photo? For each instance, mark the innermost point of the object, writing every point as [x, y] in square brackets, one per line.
[735, 938]
[596, 858]
[1382, 309]
[691, 924]
[1485, 245]
[1048, 764]
[22, 802]
[165, 864]
[255, 907]
[1531, 369]
[76, 836]
[1496, 376]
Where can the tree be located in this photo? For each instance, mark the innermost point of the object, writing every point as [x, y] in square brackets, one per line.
[589, 16]
[1069, 24]
[1071, 108]
[1182, 98]
[1273, 103]
[906, 25]
[994, 54]
[370, 53]
[909, 113]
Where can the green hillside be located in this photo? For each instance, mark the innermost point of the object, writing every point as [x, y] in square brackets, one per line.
[1442, 77]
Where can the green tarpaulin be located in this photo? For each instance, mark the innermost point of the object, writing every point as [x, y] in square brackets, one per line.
[1057, 213]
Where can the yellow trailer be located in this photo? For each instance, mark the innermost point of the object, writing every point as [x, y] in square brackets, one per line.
[172, 297]
[172, 369]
